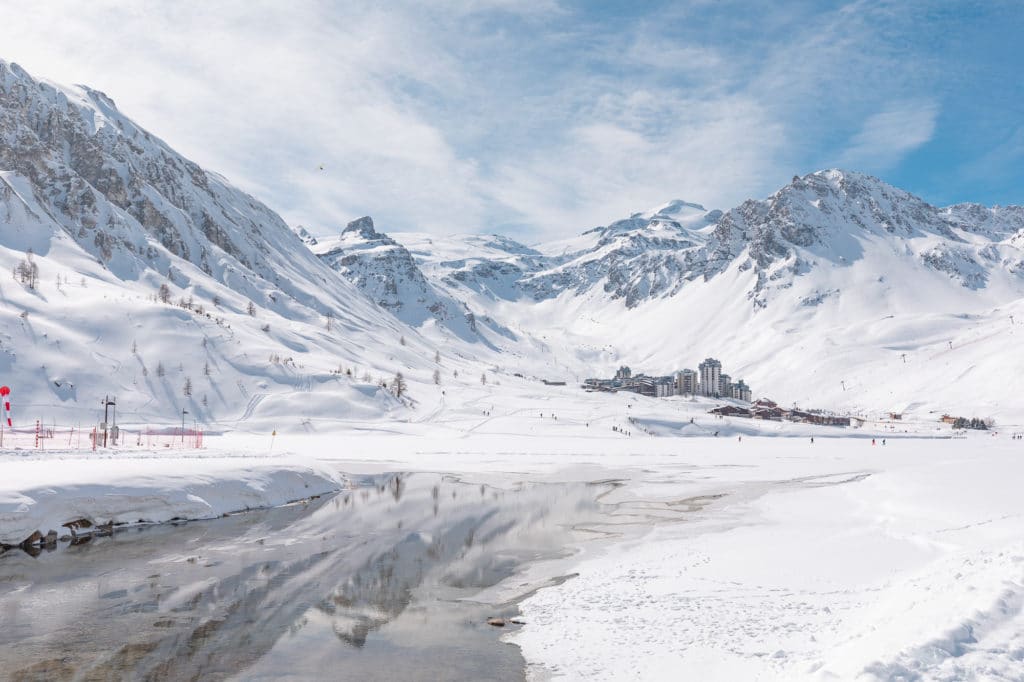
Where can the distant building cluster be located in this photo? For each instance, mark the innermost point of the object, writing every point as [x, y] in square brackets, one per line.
[769, 410]
[708, 380]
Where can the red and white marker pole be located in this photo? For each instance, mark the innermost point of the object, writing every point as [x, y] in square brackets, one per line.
[5, 396]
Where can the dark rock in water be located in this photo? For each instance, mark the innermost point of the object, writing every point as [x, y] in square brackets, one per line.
[32, 540]
[496, 622]
[517, 621]
[77, 525]
[51, 538]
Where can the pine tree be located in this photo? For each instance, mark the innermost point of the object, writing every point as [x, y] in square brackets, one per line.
[206, 369]
[437, 377]
[437, 356]
[187, 388]
[398, 385]
[160, 371]
[164, 293]
[483, 378]
[251, 309]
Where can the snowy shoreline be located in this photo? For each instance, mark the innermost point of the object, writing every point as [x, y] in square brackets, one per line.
[788, 560]
[41, 493]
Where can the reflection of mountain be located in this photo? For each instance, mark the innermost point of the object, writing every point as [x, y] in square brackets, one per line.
[335, 569]
[234, 619]
[384, 585]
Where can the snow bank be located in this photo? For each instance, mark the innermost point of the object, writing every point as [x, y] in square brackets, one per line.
[43, 492]
[902, 563]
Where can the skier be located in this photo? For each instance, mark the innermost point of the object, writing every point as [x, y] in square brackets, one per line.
[872, 441]
[812, 440]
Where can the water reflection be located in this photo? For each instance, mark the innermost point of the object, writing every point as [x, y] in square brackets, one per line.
[374, 583]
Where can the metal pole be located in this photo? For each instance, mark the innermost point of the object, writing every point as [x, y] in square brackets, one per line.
[106, 415]
[183, 413]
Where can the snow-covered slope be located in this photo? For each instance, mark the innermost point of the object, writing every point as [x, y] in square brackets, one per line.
[145, 273]
[141, 275]
[839, 290]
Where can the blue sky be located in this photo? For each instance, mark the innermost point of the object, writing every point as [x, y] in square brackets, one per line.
[541, 119]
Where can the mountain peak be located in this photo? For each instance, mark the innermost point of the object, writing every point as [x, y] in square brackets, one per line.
[363, 227]
[677, 206]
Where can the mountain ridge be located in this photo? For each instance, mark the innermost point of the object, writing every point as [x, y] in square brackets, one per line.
[835, 275]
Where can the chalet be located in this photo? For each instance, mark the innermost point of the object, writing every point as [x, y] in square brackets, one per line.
[771, 413]
[947, 419]
[732, 411]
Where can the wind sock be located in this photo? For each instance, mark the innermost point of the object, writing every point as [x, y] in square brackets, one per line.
[5, 393]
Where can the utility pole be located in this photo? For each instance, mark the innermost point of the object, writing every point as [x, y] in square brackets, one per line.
[107, 404]
[183, 413]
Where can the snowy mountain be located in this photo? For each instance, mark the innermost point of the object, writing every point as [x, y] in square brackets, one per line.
[159, 282]
[139, 274]
[387, 274]
[824, 293]
[822, 219]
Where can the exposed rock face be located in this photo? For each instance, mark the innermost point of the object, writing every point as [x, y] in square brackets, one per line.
[67, 155]
[823, 219]
[387, 273]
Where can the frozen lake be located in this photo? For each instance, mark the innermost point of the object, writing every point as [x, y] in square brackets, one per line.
[373, 583]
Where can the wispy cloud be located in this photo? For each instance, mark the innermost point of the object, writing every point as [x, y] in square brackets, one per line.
[891, 134]
[544, 117]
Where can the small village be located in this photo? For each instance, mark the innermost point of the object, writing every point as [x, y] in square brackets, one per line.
[709, 381]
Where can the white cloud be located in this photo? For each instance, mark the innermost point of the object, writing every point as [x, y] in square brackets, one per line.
[470, 115]
[714, 151]
[891, 134]
[266, 94]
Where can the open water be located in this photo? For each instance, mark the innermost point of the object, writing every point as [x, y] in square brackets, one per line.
[376, 583]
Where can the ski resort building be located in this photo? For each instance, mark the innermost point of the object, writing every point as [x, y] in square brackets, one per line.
[766, 409]
[710, 377]
[687, 382]
[725, 386]
[740, 391]
[709, 381]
